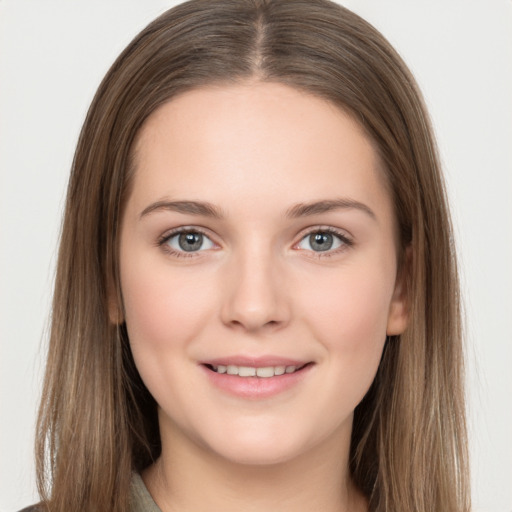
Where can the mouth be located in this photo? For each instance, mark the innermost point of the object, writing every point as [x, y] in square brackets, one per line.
[263, 372]
[256, 378]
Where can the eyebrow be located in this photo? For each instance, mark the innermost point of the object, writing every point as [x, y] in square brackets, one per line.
[188, 207]
[206, 209]
[317, 207]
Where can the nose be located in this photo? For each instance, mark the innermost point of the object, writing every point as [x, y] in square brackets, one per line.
[254, 296]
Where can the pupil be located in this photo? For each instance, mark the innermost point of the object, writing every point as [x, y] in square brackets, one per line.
[321, 241]
[190, 241]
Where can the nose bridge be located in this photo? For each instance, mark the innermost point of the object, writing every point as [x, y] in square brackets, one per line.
[255, 296]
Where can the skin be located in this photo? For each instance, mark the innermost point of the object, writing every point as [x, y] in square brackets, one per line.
[257, 288]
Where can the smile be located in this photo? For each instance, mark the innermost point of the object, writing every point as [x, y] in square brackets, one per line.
[251, 371]
[256, 380]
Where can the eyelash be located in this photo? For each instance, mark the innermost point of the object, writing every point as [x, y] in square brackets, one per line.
[162, 241]
[346, 241]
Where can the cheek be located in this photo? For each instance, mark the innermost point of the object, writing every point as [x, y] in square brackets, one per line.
[164, 310]
[348, 312]
[349, 318]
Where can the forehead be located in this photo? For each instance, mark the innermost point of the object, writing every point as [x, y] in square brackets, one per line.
[253, 140]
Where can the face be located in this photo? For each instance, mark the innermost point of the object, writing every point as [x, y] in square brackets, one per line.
[258, 270]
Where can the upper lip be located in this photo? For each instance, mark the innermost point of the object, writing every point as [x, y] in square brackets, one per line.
[255, 362]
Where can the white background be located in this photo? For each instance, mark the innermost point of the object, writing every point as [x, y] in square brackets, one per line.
[53, 55]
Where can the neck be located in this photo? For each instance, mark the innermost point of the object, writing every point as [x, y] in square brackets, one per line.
[188, 476]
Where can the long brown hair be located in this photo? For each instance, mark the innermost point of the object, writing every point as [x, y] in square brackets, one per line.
[97, 421]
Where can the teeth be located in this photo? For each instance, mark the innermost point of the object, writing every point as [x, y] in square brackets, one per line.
[245, 371]
[249, 371]
[279, 370]
[232, 369]
[265, 372]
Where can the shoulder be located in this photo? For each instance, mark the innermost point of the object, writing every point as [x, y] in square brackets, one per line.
[140, 498]
[34, 508]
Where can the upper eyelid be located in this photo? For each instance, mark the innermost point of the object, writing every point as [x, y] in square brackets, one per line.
[345, 238]
[342, 233]
[185, 229]
[303, 232]
[162, 241]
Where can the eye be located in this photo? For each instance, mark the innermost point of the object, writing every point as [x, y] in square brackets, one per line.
[188, 241]
[323, 241]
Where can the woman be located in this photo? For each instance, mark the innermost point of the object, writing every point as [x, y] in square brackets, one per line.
[256, 298]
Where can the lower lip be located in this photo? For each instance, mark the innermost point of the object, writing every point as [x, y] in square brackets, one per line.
[256, 388]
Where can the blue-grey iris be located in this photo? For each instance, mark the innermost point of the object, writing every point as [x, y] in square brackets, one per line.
[190, 241]
[321, 241]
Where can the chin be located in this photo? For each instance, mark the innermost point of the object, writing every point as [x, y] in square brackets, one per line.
[259, 448]
[258, 456]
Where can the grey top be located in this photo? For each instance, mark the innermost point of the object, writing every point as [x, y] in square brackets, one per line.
[140, 499]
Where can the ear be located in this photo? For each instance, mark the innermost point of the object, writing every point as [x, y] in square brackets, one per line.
[398, 316]
[115, 311]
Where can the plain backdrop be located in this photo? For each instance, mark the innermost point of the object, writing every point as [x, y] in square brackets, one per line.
[53, 55]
